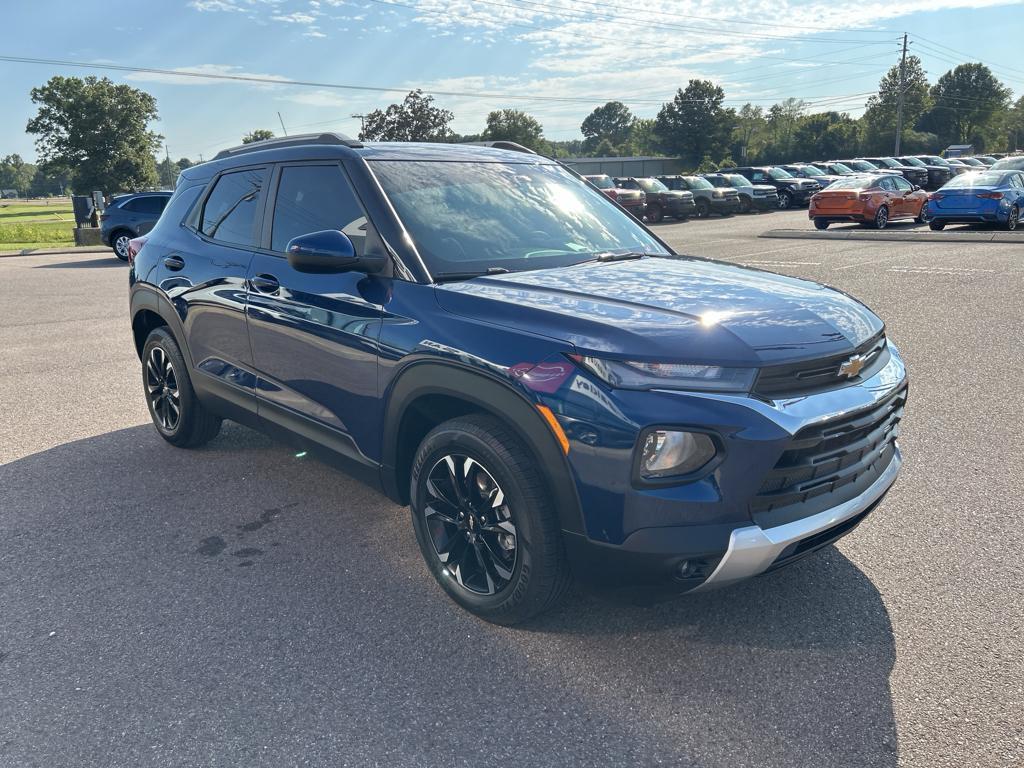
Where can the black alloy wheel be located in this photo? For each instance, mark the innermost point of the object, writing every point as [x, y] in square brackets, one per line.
[1013, 219]
[654, 214]
[470, 525]
[703, 209]
[881, 217]
[162, 389]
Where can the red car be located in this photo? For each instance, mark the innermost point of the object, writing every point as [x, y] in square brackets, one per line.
[633, 200]
[873, 200]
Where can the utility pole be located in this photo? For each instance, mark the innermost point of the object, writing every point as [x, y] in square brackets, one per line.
[900, 95]
[167, 164]
[362, 123]
[282, 123]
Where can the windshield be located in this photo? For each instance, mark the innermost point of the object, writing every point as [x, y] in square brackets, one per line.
[934, 159]
[778, 173]
[841, 169]
[976, 179]
[601, 182]
[914, 161]
[810, 170]
[652, 185]
[472, 216]
[857, 182]
[888, 162]
[860, 165]
[971, 161]
[738, 181]
[696, 182]
[1014, 163]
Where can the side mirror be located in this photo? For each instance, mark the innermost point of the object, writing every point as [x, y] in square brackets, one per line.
[329, 250]
[917, 188]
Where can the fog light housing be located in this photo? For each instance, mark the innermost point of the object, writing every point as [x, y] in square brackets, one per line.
[670, 453]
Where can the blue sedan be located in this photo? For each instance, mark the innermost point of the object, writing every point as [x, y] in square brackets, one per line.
[989, 196]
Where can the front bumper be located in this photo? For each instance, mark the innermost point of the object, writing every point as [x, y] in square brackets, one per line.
[801, 196]
[764, 202]
[753, 550]
[655, 543]
[725, 204]
[681, 209]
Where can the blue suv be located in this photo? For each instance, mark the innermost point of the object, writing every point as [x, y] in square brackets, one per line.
[485, 337]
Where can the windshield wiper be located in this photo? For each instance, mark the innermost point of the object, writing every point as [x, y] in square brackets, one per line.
[620, 256]
[445, 277]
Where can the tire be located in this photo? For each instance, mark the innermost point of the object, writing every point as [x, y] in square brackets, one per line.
[703, 209]
[881, 217]
[922, 217]
[167, 387]
[501, 580]
[745, 205]
[936, 225]
[654, 214]
[785, 201]
[821, 223]
[1013, 219]
[119, 243]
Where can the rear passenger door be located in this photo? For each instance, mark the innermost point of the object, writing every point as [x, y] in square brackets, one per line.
[905, 201]
[314, 336]
[204, 274]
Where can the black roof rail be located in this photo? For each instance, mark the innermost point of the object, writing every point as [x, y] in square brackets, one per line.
[510, 145]
[299, 140]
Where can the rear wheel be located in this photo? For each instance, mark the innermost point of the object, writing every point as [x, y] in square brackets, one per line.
[1013, 219]
[177, 414]
[484, 521]
[881, 217]
[821, 223]
[936, 225]
[119, 242]
[654, 214]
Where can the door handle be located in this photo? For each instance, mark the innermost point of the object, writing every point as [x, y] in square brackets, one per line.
[174, 263]
[264, 284]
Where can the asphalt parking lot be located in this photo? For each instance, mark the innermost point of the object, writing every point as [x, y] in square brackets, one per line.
[241, 606]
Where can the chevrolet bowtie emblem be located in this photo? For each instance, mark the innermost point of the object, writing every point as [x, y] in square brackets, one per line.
[853, 366]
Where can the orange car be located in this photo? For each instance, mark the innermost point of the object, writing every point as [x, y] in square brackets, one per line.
[873, 200]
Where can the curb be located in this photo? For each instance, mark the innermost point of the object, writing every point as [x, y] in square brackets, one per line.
[896, 235]
[57, 251]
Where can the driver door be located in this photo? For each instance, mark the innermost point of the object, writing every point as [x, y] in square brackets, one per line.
[314, 336]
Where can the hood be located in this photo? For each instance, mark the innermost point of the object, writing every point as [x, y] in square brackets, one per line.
[680, 193]
[764, 189]
[673, 308]
[798, 182]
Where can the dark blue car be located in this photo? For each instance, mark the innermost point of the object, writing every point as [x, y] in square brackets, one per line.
[994, 197]
[484, 336]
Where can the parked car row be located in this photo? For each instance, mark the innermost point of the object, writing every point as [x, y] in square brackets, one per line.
[994, 196]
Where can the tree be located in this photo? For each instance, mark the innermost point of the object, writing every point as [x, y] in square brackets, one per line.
[97, 129]
[782, 122]
[613, 122]
[879, 119]
[168, 171]
[260, 134]
[695, 123]
[643, 140]
[15, 173]
[826, 134]
[750, 122]
[967, 104]
[184, 162]
[513, 125]
[415, 119]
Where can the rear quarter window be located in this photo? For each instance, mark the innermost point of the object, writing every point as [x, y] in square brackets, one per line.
[229, 212]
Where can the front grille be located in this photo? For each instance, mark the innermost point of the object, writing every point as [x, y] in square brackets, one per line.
[829, 463]
[794, 379]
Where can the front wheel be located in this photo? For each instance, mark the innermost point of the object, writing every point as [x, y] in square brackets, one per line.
[785, 201]
[1013, 219]
[821, 223]
[654, 214]
[881, 217]
[703, 209]
[177, 414]
[485, 522]
[922, 217]
[745, 205]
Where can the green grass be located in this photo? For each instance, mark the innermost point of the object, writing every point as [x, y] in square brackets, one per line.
[36, 224]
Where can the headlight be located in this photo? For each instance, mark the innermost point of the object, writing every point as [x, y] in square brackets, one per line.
[666, 453]
[637, 374]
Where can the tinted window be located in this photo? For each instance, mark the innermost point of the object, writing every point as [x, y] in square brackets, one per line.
[902, 183]
[151, 204]
[230, 210]
[312, 198]
[886, 183]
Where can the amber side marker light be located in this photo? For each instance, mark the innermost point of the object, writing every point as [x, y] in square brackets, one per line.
[549, 417]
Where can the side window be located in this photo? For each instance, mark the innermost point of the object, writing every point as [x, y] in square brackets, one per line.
[230, 211]
[886, 183]
[311, 198]
[902, 184]
[757, 176]
[131, 205]
[153, 204]
[1017, 180]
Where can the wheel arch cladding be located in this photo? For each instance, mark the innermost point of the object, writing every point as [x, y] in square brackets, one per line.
[151, 310]
[427, 394]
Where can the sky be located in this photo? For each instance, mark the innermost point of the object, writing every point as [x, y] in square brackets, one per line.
[556, 59]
